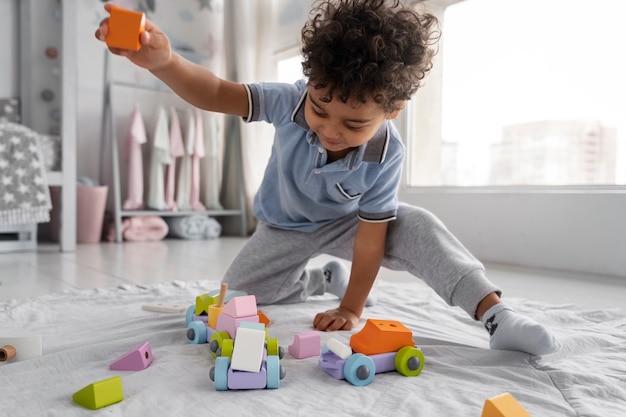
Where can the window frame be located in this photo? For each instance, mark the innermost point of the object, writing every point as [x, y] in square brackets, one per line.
[573, 228]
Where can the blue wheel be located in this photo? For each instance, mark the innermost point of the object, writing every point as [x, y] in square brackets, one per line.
[196, 332]
[191, 311]
[273, 372]
[359, 369]
[220, 373]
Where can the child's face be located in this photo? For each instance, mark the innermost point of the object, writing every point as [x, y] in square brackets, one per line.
[342, 126]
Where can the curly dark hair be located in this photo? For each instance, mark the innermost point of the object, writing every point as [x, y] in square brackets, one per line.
[362, 49]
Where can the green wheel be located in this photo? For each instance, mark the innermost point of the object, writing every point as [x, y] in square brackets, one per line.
[217, 341]
[272, 347]
[409, 361]
[227, 348]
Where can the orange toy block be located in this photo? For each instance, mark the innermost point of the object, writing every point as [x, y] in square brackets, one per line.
[263, 318]
[504, 405]
[125, 27]
[381, 336]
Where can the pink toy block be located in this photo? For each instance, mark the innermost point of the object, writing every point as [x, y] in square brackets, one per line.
[229, 324]
[241, 306]
[134, 360]
[305, 345]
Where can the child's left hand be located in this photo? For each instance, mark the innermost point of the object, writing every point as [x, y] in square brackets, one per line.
[339, 318]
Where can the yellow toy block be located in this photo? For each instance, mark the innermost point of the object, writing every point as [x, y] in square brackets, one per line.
[125, 27]
[214, 313]
[100, 394]
[503, 405]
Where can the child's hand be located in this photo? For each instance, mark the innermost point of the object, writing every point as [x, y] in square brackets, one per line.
[336, 319]
[155, 49]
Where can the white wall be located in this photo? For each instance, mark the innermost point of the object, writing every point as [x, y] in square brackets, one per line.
[9, 81]
[572, 231]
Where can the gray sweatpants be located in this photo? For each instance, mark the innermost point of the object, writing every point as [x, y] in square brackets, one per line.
[271, 265]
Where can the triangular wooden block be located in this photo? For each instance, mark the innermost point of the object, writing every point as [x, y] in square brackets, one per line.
[134, 360]
[100, 394]
[243, 306]
[504, 405]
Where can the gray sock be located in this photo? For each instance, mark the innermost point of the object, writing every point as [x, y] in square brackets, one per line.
[512, 331]
[337, 277]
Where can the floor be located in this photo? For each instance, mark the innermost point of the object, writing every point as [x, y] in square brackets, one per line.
[29, 274]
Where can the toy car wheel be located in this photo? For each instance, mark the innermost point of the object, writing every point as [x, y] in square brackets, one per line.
[359, 369]
[273, 372]
[227, 348]
[272, 347]
[196, 332]
[409, 361]
[220, 373]
[191, 311]
[216, 342]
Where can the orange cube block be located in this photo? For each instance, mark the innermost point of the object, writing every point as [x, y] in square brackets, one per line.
[125, 27]
[381, 336]
[504, 405]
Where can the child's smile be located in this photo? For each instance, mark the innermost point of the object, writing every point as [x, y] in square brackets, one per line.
[340, 126]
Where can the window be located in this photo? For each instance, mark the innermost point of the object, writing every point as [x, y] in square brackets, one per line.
[532, 93]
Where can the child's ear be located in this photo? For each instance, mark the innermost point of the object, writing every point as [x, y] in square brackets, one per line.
[395, 113]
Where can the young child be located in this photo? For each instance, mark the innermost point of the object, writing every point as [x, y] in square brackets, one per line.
[330, 186]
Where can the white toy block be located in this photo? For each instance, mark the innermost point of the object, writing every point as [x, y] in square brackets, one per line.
[340, 349]
[305, 345]
[26, 345]
[241, 306]
[134, 360]
[249, 347]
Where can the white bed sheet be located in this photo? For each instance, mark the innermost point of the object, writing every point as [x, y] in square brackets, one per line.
[84, 331]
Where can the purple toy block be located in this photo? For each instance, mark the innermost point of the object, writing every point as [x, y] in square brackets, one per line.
[201, 318]
[305, 345]
[384, 362]
[241, 306]
[134, 360]
[247, 380]
[332, 364]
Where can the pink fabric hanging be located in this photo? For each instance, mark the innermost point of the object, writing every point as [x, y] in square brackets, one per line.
[198, 153]
[134, 139]
[177, 149]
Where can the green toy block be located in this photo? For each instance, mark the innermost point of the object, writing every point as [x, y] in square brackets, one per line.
[203, 302]
[100, 394]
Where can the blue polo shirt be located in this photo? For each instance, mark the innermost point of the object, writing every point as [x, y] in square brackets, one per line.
[300, 190]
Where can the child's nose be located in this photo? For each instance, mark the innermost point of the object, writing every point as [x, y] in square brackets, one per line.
[332, 132]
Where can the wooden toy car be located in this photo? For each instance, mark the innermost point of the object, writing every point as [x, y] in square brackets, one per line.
[381, 346]
[250, 361]
[245, 357]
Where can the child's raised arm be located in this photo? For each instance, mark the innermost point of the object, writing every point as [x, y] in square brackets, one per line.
[193, 83]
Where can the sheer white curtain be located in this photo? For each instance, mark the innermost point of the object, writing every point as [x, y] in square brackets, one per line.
[249, 51]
